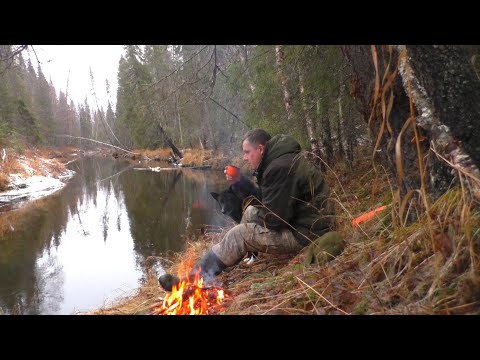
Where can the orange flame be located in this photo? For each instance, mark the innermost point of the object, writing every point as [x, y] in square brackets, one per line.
[190, 298]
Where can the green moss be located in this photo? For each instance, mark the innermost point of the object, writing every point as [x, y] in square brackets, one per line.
[361, 308]
[255, 286]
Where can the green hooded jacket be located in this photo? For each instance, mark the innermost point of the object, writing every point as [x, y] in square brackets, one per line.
[293, 192]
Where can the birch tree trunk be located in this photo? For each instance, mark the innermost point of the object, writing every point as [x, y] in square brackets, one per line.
[368, 82]
[280, 57]
[243, 54]
[309, 124]
[326, 148]
[445, 94]
[177, 111]
[341, 150]
[327, 138]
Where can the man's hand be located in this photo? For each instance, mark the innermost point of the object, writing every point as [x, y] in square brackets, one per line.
[230, 178]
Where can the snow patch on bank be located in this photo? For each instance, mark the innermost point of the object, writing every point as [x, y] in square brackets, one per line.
[33, 187]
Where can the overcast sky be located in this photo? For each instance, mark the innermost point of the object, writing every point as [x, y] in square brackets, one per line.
[57, 60]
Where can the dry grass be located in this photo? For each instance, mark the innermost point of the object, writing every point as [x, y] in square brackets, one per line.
[196, 157]
[191, 157]
[50, 161]
[4, 181]
[42, 162]
[388, 267]
[150, 295]
[139, 303]
[11, 165]
[389, 272]
[157, 153]
[19, 217]
[7, 220]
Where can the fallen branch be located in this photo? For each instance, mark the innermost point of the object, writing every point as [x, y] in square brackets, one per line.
[157, 169]
[80, 137]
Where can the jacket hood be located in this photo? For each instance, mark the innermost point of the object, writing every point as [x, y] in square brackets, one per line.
[277, 146]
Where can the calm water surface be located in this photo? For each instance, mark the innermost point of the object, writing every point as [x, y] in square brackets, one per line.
[85, 245]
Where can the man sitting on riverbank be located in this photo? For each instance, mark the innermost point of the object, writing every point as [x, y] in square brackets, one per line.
[294, 207]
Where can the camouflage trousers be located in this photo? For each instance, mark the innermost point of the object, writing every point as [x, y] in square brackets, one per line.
[250, 236]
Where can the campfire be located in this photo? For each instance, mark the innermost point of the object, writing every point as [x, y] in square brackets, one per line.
[191, 298]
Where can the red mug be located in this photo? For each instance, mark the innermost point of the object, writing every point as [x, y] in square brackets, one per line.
[232, 171]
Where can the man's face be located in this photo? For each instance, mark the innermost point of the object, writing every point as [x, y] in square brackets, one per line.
[251, 154]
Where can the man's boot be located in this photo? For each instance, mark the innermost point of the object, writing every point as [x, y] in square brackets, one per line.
[210, 266]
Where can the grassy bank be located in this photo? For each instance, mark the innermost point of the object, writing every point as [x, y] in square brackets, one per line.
[430, 266]
[389, 266]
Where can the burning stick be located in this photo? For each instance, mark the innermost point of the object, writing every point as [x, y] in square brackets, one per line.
[190, 299]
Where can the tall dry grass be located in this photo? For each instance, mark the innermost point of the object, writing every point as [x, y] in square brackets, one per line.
[389, 266]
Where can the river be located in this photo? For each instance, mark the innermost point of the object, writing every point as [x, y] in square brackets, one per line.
[85, 245]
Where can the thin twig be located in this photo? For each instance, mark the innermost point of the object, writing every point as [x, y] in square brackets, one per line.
[316, 292]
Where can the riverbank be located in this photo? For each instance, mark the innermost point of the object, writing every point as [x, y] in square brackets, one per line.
[33, 174]
[387, 267]
[427, 267]
[39, 172]
[30, 175]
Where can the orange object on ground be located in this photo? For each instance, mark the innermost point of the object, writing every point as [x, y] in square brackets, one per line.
[367, 216]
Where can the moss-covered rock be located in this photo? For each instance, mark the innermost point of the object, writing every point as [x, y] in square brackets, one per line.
[324, 248]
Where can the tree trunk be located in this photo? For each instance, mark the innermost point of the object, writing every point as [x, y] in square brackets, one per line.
[341, 150]
[310, 125]
[368, 84]
[326, 130]
[454, 96]
[280, 56]
[177, 110]
[170, 143]
[243, 54]
[445, 94]
[351, 137]
[206, 118]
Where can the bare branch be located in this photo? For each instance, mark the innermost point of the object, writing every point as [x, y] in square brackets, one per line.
[104, 121]
[178, 68]
[224, 108]
[14, 53]
[80, 137]
[9, 57]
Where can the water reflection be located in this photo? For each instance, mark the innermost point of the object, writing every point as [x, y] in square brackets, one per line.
[86, 244]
